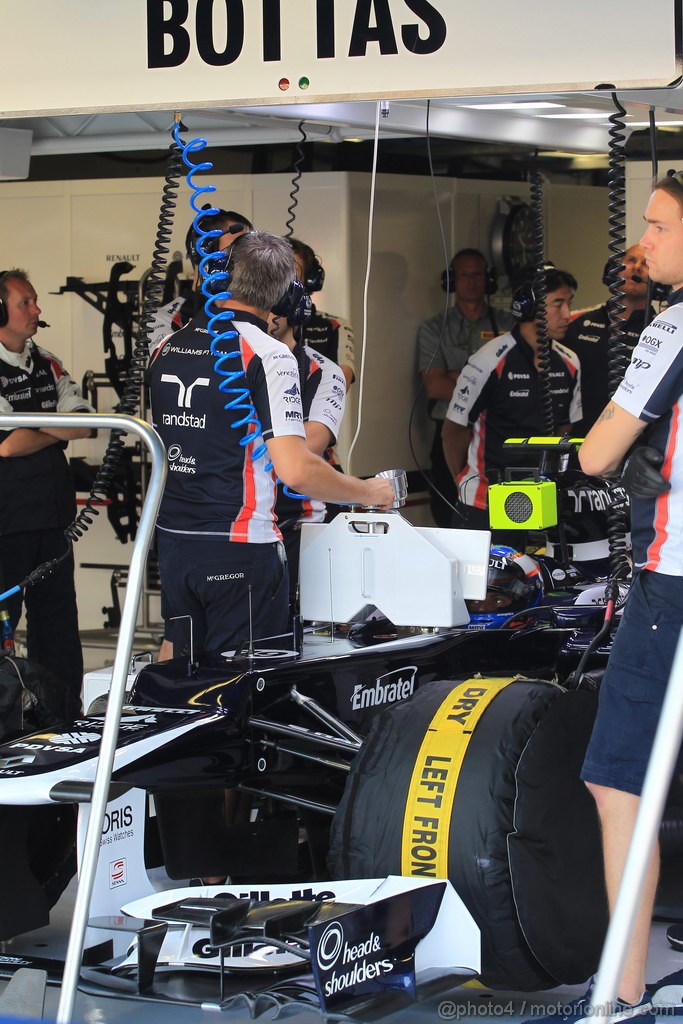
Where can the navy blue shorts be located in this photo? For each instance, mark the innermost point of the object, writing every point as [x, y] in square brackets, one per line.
[209, 580]
[634, 684]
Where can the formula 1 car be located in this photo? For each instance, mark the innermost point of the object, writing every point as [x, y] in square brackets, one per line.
[424, 743]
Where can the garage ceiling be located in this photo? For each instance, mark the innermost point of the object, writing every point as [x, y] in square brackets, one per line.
[573, 123]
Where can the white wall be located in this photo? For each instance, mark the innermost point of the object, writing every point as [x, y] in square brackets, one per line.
[80, 228]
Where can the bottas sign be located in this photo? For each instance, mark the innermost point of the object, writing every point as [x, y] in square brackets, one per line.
[173, 54]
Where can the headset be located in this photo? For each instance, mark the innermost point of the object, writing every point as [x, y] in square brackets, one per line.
[315, 276]
[658, 292]
[314, 272]
[524, 302]
[295, 304]
[448, 276]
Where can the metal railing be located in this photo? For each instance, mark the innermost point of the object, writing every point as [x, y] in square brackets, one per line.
[660, 770]
[110, 730]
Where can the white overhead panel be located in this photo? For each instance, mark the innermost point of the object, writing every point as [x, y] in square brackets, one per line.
[88, 56]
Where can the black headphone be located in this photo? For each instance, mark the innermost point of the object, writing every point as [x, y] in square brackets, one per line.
[658, 292]
[448, 276]
[314, 273]
[4, 314]
[523, 305]
[295, 304]
[524, 302]
[315, 276]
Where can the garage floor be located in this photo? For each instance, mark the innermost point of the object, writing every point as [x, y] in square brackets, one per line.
[462, 1004]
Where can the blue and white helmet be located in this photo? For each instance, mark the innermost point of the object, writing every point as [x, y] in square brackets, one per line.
[514, 585]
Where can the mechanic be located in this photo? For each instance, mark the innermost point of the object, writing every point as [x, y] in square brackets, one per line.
[330, 335]
[445, 343]
[588, 334]
[37, 497]
[323, 394]
[180, 310]
[221, 557]
[633, 687]
[498, 396]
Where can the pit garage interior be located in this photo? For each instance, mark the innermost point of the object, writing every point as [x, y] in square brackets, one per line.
[429, 151]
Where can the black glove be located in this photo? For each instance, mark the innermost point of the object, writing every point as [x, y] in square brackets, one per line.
[640, 476]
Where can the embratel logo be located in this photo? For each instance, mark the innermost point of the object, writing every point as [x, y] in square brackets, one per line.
[118, 874]
[388, 689]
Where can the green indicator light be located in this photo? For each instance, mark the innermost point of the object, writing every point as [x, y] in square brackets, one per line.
[304, 83]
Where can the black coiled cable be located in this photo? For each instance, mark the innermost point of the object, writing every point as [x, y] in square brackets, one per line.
[294, 194]
[540, 296]
[130, 399]
[619, 354]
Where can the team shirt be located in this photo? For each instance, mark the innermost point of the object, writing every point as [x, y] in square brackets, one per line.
[331, 336]
[651, 390]
[498, 395]
[323, 393]
[36, 490]
[173, 316]
[588, 336]
[214, 486]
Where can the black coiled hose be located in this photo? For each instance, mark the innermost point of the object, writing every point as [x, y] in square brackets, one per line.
[618, 352]
[540, 296]
[130, 399]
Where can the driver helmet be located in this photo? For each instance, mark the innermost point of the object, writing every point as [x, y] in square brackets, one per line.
[514, 584]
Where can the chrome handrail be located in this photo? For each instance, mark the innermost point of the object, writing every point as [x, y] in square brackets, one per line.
[124, 645]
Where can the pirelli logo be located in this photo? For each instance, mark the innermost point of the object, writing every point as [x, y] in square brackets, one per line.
[429, 805]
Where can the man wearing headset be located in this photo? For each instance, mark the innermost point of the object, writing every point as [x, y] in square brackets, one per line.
[221, 559]
[649, 398]
[330, 335]
[588, 334]
[37, 497]
[445, 343]
[498, 395]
